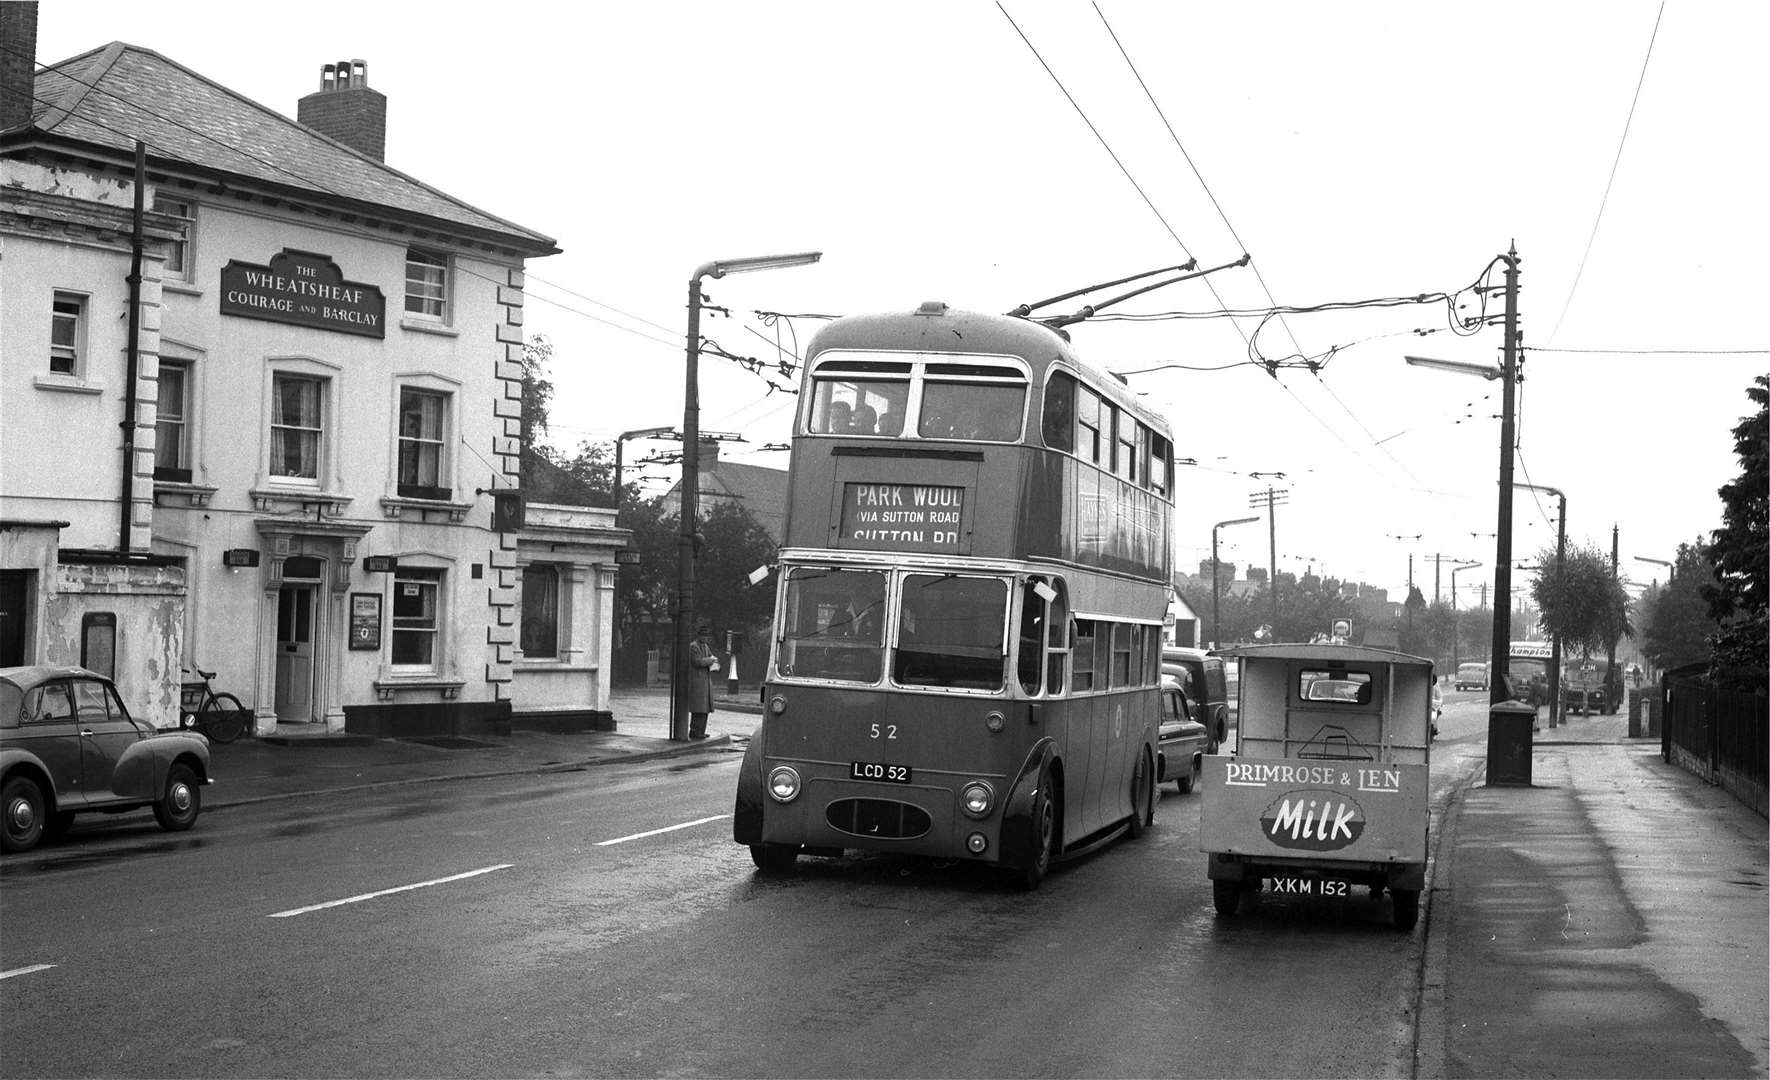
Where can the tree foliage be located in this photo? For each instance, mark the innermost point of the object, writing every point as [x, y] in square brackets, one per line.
[1580, 600]
[1739, 596]
[1675, 623]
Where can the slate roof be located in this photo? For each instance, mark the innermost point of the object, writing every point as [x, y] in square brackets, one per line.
[758, 490]
[113, 95]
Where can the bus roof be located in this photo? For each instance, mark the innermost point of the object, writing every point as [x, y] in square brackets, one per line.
[936, 328]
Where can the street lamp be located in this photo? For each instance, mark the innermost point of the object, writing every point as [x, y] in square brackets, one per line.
[1560, 566]
[1671, 568]
[620, 445]
[1507, 373]
[1456, 622]
[691, 463]
[1216, 633]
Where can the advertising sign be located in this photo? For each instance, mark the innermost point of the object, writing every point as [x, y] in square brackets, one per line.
[1347, 809]
[902, 517]
[304, 289]
[365, 621]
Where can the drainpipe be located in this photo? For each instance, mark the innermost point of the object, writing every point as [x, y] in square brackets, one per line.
[129, 399]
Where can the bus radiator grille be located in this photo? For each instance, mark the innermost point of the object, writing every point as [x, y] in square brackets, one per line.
[878, 818]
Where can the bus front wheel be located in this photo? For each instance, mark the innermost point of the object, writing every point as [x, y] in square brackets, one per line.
[1227, 896]
[774, 858]
[1044, 823]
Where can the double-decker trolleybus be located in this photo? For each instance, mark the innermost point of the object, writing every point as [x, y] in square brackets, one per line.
[966, 651]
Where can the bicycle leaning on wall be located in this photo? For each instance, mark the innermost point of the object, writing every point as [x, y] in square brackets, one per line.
[219, 716]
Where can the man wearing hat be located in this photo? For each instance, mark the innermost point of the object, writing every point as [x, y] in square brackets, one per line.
[702, 663]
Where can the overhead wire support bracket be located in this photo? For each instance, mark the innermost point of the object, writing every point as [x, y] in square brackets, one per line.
[1089, 310]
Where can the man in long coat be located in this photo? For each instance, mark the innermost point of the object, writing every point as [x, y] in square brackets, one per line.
[702, 662]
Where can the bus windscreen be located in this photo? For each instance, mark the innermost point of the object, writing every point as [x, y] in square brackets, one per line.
[950, 632]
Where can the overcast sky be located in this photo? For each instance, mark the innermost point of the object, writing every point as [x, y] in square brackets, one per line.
[1355, 151]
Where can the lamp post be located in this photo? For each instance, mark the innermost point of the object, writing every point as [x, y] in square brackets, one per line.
[691, 463]
[1507, 373]
[1555, 717]
[1456, 621]
[1216, 632]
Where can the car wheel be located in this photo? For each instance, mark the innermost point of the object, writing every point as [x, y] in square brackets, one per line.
[774, 858]
[1226, 895]
[1407, 907]
[22, 800]
[180, 803]
[1188, 780]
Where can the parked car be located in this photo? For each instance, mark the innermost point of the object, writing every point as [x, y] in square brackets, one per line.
[1471, 676]
[1202, 677]
[1180, 740]
[68, 745]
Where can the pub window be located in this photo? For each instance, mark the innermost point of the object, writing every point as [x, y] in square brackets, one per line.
[416, 618]
[172, 423]
[540, 611]
[296, 427]
[422, 461]
[178, 251]
[67, 334]
[427, 284]
[98, 642]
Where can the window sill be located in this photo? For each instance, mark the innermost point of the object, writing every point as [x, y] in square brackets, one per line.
[68, 384]
[394, 506]
[194, 494]
[331, 503]
[386, 688]
[180, 286]
[423, 327]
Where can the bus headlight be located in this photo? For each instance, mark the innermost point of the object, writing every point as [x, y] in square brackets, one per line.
[995, 721]
[977, 843]
[783, 783]
[777, 705]
[976, 798]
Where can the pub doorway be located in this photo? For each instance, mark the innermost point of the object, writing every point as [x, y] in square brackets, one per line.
[294, 695]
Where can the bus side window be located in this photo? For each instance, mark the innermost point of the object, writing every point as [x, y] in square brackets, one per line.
[1057, 643]
[1032, 638]
[1060, 412]
[1082, 656]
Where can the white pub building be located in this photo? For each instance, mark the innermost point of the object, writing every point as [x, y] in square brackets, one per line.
[260, 413]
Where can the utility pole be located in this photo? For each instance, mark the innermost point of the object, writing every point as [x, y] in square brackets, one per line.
[1610, 677]
[1502, 561]
[1273, 497]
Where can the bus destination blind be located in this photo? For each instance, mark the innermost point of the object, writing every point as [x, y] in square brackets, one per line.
[919, 517]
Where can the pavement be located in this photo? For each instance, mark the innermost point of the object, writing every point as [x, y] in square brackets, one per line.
[1608, 919]
[290, 766]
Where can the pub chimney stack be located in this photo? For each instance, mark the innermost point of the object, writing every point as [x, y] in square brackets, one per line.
[18, 63]
[346, 109]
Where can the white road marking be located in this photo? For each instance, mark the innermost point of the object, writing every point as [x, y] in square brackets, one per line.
[25, 970]
[389, 892]
[665, 829]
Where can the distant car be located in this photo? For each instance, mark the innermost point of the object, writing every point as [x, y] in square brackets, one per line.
[68, 745]
[1471, 677]
[1203, 677]
[1180, 740]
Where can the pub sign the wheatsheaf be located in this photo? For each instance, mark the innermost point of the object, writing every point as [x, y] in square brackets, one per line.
[305, 289]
